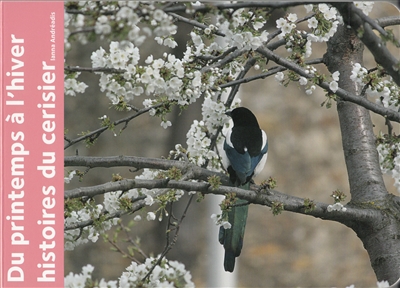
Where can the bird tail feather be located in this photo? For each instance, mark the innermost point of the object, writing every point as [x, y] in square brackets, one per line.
[232, 239]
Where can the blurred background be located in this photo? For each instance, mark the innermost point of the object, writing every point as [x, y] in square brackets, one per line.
[305, 157]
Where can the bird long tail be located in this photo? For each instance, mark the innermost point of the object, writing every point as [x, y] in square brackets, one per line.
[232, 239]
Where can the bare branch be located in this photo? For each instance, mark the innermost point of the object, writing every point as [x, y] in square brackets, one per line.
[169, 244]
[96, 133]
[388, 21]
[82, 30]
[93, 70]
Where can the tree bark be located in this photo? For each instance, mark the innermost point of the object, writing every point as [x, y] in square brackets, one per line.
[380, 234]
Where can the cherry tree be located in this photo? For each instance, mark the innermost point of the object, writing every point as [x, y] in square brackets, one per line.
[227, 41]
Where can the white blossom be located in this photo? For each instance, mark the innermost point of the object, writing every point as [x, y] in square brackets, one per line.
[292, 17]
[336, 207]
[226, 225]
[281, 22]
[303, 80]
[312, 22]
[150, 216]
[335, 75]
[334, 86]
[310, 90]
[308, 8]
[365, 6]
[166, 274]
[71, 175]
[279, 76]
[166, 124]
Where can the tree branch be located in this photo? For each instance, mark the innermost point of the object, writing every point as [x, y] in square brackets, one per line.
[343, 94]
[388, 21]
[255, 196]
[235, 6]
[194, 23]
[93, 70]
[190, 170]
[271, 71]
[374, 43]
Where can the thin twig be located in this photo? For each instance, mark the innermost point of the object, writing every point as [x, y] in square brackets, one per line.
[96, 133]
[194, 23]
[169, 243]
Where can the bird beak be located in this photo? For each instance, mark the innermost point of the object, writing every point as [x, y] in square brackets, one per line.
[229, 113]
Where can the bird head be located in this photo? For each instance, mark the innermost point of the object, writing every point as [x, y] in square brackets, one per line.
[242, 116]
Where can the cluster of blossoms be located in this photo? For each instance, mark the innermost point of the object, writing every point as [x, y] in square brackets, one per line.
[123, 56]
[167, 274]
[358, 73]
[218, 220]
[111, 205]
[286, 24]
[379, 284]
[198, 142]
[205, 43]
[234, 34]
[324, 23]
[165, 79]
[73, 86]
[200, 132]
[389, 160]
[336, 207]
[75, 237]
[213, 114]
[82, 279]
[385, 91]
[120, 18]
[333, 85]
[365, 6]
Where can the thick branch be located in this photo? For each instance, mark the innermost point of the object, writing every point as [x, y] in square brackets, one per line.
[388, 21]
[253, 196]
[374, 43]
[365, 176]
[363, 169]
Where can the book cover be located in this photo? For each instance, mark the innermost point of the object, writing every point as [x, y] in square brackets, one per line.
[31, 129]
[161, 77]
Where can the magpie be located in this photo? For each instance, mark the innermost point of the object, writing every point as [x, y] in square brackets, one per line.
[244, 155]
